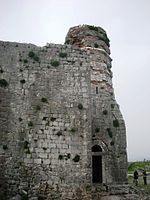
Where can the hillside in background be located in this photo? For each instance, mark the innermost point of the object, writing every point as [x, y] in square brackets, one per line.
[139, 166]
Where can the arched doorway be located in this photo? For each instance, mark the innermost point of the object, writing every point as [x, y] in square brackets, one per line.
[97, 164]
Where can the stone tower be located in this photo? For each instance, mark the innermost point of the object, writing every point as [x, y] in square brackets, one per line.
[62, 133]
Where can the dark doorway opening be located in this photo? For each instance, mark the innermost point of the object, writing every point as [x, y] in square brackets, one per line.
[96, 164]
[97, 168]
[96, 148]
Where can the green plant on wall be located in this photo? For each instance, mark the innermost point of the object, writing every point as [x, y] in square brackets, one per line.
[31, 54]
[44, 118]
[59, 133]
[109, 132]
[5, 147]
[104, 38]
[24, 197]
[76, 158]
[20, 119]
[105, 112]
[97, 130]
[68, 155]
[60, 157]
[26, 144]
[3, 83]
[53, 119]
[38, 107]
[80, 106]
[112, 143]
[1, 70]
[26, 147]
[112, 106]
[55, 63]
[93, 28]
[44, 100]
[34, 56]
[73, 130]
[22, 81]
[96, 45]
[42, 197]
[25, 61]
[30, 124]
[67, 42]
[27, 151]
[62, 54]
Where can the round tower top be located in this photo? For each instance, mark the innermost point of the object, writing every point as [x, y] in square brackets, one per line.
[88, 36]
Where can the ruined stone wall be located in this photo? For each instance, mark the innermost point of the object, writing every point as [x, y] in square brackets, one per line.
[56, 103]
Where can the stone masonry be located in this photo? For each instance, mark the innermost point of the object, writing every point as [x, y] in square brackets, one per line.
[62, 134]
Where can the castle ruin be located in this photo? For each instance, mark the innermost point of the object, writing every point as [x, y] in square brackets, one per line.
[62, 133]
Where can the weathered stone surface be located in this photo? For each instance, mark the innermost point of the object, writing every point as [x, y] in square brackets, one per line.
[62, 133]
[111, 198]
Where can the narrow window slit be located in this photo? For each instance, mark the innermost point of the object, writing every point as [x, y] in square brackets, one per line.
[96, 90]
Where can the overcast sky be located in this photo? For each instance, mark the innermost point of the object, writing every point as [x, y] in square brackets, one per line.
[127, 23]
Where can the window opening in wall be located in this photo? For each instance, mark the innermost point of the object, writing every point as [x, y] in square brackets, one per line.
[96, 90]
[96, 164]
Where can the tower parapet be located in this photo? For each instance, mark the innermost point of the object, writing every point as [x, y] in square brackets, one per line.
[88, 36]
